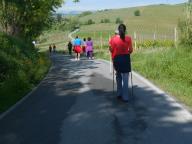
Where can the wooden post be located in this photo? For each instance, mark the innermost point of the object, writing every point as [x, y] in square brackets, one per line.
[154, 36]
[175, 36]
[101, 40]
[135, 40]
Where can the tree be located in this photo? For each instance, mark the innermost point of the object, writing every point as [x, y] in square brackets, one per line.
[26, 18]
[137, 13]
[118, 21]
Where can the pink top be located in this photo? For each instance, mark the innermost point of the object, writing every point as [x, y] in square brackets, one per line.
[89, 46]
[118, 46]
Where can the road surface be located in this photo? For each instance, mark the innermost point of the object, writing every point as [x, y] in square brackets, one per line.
[75, 104]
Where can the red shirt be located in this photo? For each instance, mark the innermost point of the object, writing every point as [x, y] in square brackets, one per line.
[118, 46]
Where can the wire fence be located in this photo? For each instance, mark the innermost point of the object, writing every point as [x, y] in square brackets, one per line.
[140, 39]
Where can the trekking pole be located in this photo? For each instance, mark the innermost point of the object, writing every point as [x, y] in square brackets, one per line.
[113, 83]
[131, 84]
[131, 79]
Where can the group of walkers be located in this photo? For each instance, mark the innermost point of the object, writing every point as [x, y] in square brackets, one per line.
[52, 48]
[120, 46]
[79, 47]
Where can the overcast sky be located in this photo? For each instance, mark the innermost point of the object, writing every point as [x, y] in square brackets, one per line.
[85, 5]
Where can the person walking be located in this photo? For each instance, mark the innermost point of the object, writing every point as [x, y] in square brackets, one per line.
[77, 47]
[89, 48]
[54, 48]
[69, 45]
[50, 49]
[84, 46]
[120, 47]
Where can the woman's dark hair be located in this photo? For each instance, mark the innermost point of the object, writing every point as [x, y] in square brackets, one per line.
[89, 38]
[84, 39]
[122, 30]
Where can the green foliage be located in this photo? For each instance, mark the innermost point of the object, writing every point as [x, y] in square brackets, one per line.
[170, 68]
[21, 68]
[155, 44]
[68, 24]
[90, 22]
[26, 19]
[118, 21]
[186, 25]
[105, 20]
[137, 13]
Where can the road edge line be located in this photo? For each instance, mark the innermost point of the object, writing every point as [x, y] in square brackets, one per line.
[10, 109]
[169, 97]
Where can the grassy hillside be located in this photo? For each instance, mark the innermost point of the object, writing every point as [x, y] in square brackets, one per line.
[59, 38]
[158, 20]
[155, 17]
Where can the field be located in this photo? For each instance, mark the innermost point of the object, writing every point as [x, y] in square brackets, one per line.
[157, 22]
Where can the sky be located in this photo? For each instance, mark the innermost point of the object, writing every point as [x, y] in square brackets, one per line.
[91, 5]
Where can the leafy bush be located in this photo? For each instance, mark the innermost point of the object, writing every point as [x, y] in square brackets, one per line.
[21, 67]
[118, 21]
[89, 22]
[156, 43]
[185, 25]
[105, 20]
[137, 13]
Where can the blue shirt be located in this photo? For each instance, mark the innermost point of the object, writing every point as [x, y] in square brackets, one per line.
[77, 42]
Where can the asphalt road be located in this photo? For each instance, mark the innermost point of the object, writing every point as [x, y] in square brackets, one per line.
[75, 104]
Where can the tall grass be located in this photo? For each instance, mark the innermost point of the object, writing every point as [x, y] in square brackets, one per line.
[168, 68]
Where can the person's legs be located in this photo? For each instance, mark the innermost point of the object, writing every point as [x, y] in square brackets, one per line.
[119, 84]
[125, 77]
[78, 57]
[91, 54]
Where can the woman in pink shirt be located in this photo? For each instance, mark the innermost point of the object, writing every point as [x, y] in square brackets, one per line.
[89, 48]
[121, 48]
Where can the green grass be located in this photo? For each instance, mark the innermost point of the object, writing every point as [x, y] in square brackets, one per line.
[169, 68]
[158, 19]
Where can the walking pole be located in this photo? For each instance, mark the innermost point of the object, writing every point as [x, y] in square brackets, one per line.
[131, 80]
[131, 84]
[113, 83]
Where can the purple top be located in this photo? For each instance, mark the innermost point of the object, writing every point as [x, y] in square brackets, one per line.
[89, 45]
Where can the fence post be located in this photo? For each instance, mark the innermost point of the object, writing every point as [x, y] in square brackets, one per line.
[101, 40]
[154, 36]
[175, 36]
[135, 40]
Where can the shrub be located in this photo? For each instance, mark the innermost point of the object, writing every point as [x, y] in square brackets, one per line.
[118, 21]
[105, 20]
[90, 21]
[137, 13]
[156, 43]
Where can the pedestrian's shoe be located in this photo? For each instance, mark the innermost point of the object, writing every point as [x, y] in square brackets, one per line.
[119, 97]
